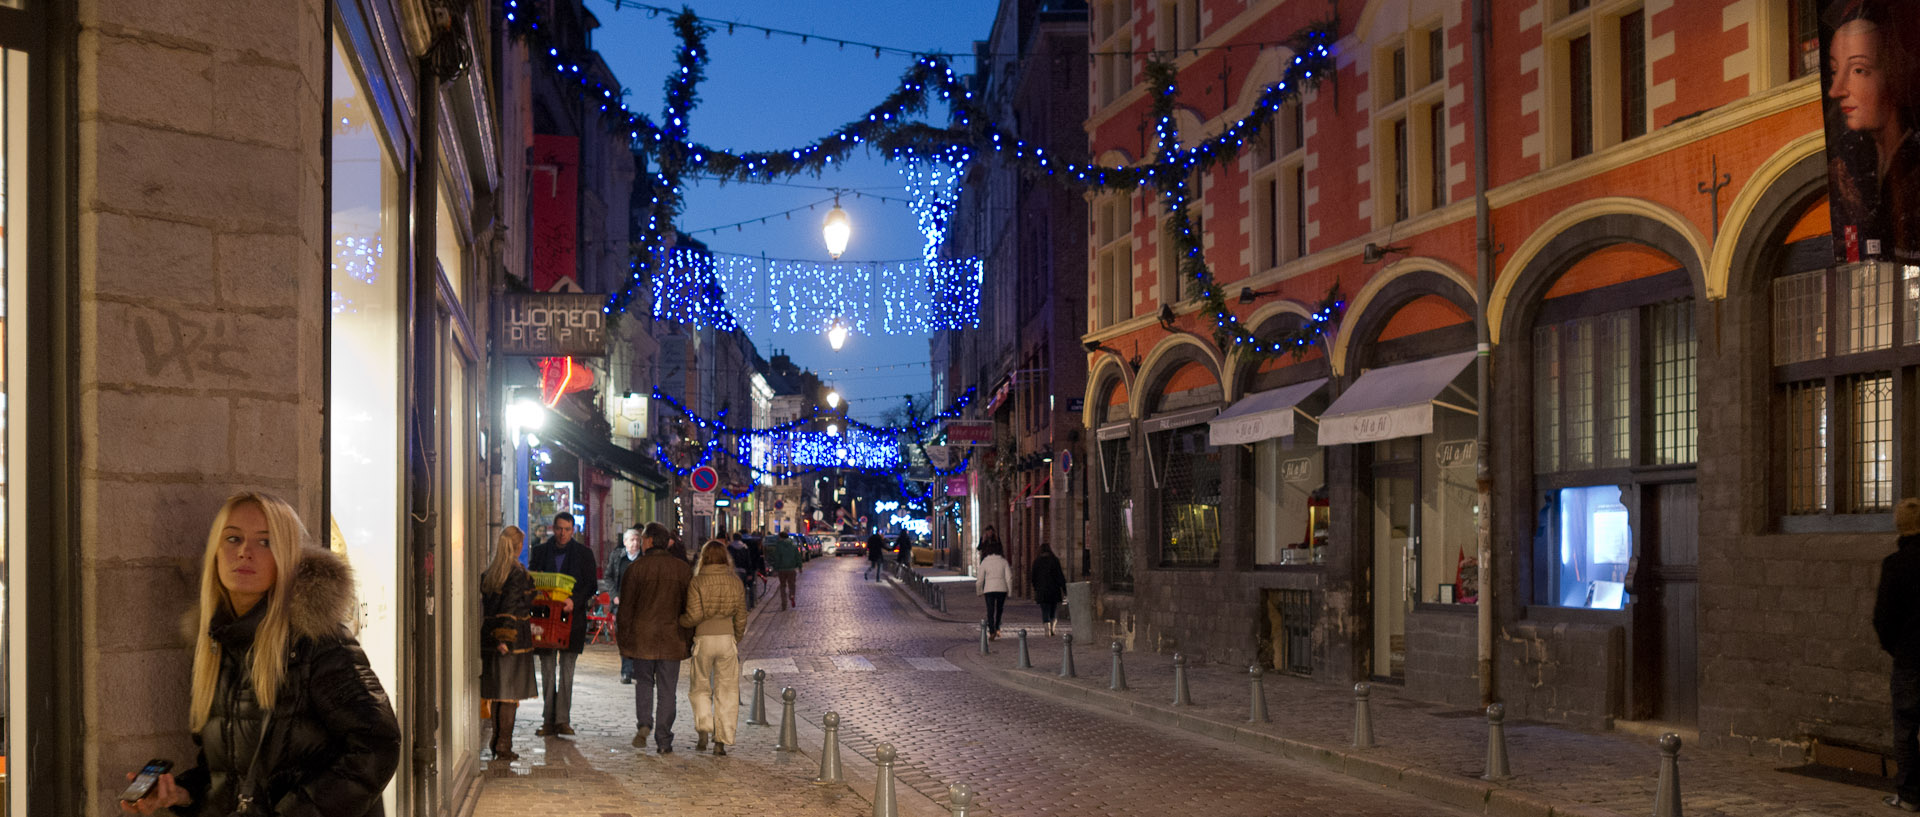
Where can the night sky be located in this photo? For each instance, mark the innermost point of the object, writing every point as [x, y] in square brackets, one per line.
[764, 93]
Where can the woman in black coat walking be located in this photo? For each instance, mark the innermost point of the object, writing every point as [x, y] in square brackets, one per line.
[1049, 584]
[286, 711]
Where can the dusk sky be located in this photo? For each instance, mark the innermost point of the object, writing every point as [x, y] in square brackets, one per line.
[765, 92]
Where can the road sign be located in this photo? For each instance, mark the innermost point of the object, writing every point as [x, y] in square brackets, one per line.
[701, 504]
[970, 432]
[704, 480]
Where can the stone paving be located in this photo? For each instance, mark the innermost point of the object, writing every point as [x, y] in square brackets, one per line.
[895, 674]
[1432, 750]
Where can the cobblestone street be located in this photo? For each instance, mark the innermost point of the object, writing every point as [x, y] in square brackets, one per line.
[858, 648]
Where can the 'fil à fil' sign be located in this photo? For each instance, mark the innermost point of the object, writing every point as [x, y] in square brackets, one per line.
[553, 324]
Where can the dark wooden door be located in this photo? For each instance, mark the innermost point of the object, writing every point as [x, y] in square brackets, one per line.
[1666, 621]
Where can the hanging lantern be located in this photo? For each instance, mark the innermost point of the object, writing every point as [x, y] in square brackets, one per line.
[837, 334]
[837, 230]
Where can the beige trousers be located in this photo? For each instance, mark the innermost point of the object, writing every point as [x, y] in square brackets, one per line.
[714, 688]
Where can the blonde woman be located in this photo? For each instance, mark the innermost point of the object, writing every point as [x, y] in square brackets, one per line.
[717, 613]
[286, 711]
[506, 638]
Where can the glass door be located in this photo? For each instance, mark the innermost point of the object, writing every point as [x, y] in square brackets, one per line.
[1396, 548]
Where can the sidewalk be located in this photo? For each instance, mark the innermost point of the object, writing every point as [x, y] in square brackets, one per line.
[1425, 749]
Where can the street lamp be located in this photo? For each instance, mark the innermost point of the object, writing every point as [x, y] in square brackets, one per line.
[837, 333]
[837, 231]
[833, 399]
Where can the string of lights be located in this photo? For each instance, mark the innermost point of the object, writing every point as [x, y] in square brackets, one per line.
[908, 298]
[790, 211]
[887, 125]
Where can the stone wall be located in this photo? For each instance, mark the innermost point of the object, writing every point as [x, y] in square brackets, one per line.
[202, 301]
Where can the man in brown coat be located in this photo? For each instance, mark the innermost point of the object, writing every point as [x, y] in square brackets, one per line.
[652, 596]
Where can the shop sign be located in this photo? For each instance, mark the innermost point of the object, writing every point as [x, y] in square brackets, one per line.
[970, 432]
[957, 486]
[553, 324]
[1374, 426]
[1296, 470]
[1455, 454]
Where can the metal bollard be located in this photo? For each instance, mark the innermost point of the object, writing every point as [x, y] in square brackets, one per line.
[883, 805]
[940, 598]
[830, 750]
[1026, 661]
[959, 799]
[1180, 696]
[789, 731]
[1666, 795]
[1362, 717]
[1066, 656]
[983, 638]
[757, 716]
[1257, 705]
[1117, 680]
[1496, 743]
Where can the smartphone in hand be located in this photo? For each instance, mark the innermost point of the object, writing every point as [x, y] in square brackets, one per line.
[143, 782]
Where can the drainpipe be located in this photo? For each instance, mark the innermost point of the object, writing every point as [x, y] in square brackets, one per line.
[1483, 289]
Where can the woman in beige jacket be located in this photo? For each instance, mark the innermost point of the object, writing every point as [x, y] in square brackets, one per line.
[717, 613]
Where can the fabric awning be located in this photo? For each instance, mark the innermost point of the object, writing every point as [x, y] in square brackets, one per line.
[1261, 416]
[1391, 402]
[624, 463]
[1178, 419]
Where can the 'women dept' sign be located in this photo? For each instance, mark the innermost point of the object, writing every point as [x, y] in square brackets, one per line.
[553, 324]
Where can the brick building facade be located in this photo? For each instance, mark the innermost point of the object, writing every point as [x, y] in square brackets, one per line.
[1665, 545]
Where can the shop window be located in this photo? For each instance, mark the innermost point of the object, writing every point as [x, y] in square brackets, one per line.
[1844, 341]
[1187, 482]
[1591, 538]
[1290, 510]
[1117, 517]
[365, 339]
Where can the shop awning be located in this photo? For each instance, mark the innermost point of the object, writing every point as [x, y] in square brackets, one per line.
[624, 463]
[1261, 416]
[1391, 402]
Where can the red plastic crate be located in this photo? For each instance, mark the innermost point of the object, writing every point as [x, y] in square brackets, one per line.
[552, 625]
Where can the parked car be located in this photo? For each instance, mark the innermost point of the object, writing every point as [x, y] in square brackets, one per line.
[850, 544]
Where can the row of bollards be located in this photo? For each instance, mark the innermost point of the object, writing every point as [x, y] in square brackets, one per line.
[960, 796]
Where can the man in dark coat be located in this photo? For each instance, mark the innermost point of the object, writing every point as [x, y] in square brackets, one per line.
[562, 554]
[1896, 620]
[876, 553]
[652, 597]
[623, 556]
[904, 545]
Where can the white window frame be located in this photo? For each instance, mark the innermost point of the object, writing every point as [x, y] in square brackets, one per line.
[1422, 94]
[1279, 158]
[1600, 21]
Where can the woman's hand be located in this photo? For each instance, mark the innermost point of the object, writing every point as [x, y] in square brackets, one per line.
[163, 795]
[503, 648]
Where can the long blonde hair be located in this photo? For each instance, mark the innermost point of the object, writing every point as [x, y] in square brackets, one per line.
[506, 554]
[267, 661]
[714, 552]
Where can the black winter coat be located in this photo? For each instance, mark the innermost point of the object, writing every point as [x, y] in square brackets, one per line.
[586, 576]
[1049, 582]
[332, 742]
[1896, 608]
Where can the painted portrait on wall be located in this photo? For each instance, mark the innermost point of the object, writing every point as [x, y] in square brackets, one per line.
[1870, 73]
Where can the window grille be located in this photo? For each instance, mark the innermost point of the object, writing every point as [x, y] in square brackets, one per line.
[1580, 398]
[1807, 447]
[1189, 498]
[1546, 409]
[1910, 317]
[1116, 545]
[1800, 317]
[1675, 355]
[1866, 310]
[1297, 612]
[1870, 483]
[1615, 416]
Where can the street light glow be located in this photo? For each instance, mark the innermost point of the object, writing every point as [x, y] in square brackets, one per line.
[837, 230]
[837, 334]
[833, 399]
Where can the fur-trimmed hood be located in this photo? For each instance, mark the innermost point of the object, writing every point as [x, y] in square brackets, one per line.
[322, 594]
